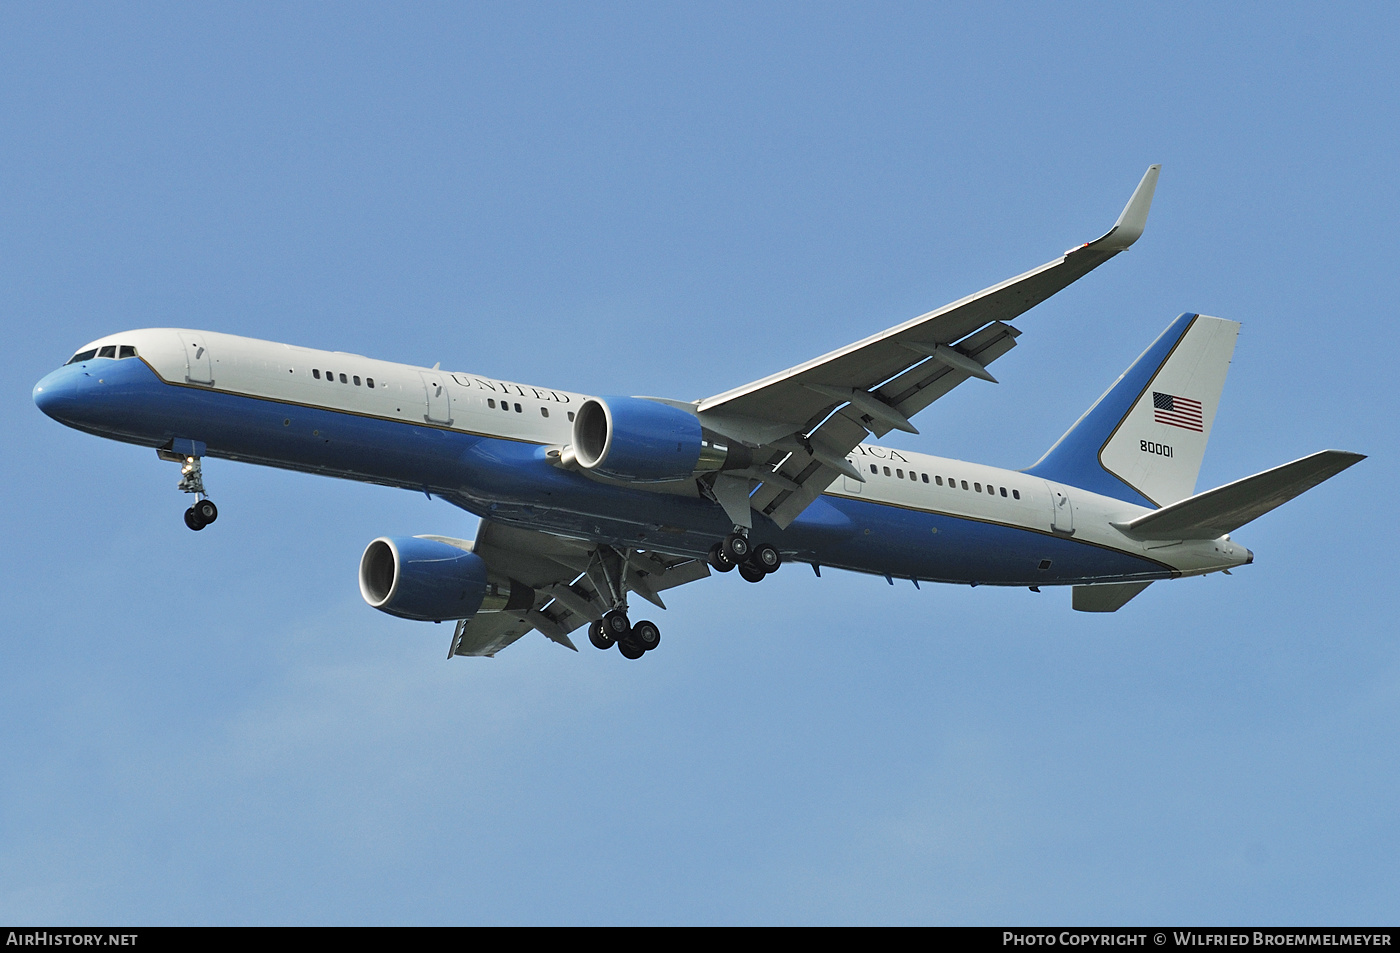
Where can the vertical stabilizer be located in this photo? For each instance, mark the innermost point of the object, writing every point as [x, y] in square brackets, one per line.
[1144, 439]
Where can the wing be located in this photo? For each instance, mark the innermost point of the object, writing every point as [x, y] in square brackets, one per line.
[574, 583]
[876, 385]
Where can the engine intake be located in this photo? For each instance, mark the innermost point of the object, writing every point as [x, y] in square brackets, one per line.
[429, 579]
[645, 441]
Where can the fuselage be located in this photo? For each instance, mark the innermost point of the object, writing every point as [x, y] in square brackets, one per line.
[492, 447]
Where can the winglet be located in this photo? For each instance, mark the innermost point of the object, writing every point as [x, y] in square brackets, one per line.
[1130, 224]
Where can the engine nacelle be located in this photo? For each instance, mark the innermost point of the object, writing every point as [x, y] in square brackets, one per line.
[645, 441]
[423, 578]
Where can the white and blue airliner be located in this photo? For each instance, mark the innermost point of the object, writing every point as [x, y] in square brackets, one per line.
[585, 500]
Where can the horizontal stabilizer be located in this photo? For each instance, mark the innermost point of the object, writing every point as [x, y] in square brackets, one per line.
[1106, 598]
[1214, 513]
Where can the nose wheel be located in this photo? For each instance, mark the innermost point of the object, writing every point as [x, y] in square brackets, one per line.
[201, 515]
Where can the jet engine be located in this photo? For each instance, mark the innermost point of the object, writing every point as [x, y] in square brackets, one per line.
[646, 441]
[429, 578]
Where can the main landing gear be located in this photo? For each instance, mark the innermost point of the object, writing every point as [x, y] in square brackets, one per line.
[633, 641]
[203, 512]
[607, 569]
[753, 562]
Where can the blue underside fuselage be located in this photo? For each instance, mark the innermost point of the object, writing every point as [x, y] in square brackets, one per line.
[514, 482]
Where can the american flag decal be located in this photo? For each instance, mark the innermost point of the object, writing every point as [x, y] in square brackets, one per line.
[1176, 411]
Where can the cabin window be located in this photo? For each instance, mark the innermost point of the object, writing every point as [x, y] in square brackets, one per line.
[964, 483]
[491, 402]
[938, 480]
[343, 380]
[887, 471]
[924, 476]
[127, 351]
[518, 410]
[1003, 491]
[1016, 493]
[899, 473]
[571, 416]
[109, 351]
[357, 381]
[977, 488]
[544, 411]
[316, 373]
[370, 381]
[874, 469]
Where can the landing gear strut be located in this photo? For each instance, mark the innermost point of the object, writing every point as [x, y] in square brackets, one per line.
[203, 512]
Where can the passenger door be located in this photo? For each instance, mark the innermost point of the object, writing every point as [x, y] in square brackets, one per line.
[1061, 511]
[439, 402]
[198, 368]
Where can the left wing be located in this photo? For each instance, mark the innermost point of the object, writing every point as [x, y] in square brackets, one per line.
[876, 385]
[574, 582]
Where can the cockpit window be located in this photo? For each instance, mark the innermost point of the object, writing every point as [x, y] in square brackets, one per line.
[83, 356]
[109, 351]
[127, 351]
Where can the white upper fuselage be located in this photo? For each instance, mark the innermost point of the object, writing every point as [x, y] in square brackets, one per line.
[487, 406]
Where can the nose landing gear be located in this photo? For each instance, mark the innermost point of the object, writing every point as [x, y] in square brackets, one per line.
[203, 512]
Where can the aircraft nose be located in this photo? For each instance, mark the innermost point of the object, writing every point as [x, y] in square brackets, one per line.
[56, 393]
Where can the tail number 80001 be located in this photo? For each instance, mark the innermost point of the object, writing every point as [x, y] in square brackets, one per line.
[1161, 449]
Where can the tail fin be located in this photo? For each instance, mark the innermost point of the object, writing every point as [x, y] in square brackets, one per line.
[1144, 439]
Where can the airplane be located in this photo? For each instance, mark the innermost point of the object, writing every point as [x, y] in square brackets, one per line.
[584, 500]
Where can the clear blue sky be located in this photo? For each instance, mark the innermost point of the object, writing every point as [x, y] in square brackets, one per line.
[673, 200]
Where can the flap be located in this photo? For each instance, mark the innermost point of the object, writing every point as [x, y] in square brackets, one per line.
[565, 574]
